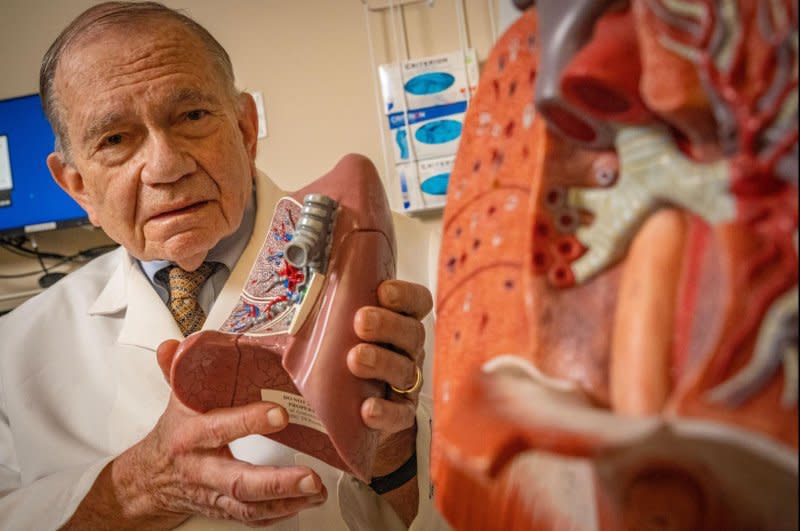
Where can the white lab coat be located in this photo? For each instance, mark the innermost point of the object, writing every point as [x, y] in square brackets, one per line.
[79, 384]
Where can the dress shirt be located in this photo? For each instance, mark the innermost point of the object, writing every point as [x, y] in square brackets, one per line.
[226, 252]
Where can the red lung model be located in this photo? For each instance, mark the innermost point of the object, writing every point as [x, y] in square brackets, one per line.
[329, 247]
[616, 339]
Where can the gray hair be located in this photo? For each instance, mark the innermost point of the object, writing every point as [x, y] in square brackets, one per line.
[109, 14]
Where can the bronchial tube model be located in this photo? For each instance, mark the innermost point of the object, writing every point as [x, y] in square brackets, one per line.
[329, 247]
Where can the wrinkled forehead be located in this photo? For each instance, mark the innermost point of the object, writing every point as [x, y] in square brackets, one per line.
[115, 48]
[129, 61]
[130, 71]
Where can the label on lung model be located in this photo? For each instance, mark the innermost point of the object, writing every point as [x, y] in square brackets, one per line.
[299, 410]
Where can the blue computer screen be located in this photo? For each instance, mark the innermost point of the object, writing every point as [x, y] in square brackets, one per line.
[30, 200]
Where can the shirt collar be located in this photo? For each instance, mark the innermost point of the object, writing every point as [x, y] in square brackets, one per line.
[226, 252]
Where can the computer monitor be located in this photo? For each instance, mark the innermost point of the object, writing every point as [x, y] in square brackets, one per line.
[30, 200]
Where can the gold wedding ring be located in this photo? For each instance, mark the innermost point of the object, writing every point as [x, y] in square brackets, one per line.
[413, 388]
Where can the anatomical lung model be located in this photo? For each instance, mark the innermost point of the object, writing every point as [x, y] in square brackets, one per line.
[329, 247]
[617, 311]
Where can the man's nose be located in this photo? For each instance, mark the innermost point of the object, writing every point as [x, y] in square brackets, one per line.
[166, 160]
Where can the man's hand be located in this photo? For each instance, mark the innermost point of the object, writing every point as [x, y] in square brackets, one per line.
[183, 467]
[393, 351]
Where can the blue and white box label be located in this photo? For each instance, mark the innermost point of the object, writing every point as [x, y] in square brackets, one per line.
[423, 185]
[431, 133]
[429, 81]
[410, 196]
[434, 177]
[425, 101]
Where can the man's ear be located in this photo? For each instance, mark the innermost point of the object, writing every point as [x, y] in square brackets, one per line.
[71, 181]
[248, 124]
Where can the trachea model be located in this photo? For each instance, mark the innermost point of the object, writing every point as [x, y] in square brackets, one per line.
[329, 247]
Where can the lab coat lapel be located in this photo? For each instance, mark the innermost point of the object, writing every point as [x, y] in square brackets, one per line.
[147, 320]
[267, 195]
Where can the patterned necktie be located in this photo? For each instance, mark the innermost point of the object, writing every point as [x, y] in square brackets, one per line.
[184, 286]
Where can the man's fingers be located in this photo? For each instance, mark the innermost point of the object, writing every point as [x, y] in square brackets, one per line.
[379, 325]
[165, 354]
[252, 483]
[405, 297]
[219, 427]
[258, 512]
[388, 416]
[370, 361]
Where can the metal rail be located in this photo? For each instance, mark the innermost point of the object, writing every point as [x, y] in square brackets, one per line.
[380, 5]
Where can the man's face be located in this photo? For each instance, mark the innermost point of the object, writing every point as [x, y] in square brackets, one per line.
[162, 157]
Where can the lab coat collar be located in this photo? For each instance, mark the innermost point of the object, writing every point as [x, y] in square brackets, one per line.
[112, 298]
[147, 320]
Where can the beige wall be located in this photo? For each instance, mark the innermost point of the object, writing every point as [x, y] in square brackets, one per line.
[309, 58]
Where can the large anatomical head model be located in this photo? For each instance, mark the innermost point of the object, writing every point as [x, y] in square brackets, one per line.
[617, 307]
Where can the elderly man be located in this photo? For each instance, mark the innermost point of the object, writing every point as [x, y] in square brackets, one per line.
[158, 147]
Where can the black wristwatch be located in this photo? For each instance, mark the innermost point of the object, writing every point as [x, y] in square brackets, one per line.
[398, 478]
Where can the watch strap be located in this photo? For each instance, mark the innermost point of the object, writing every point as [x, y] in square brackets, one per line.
[397, 478]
